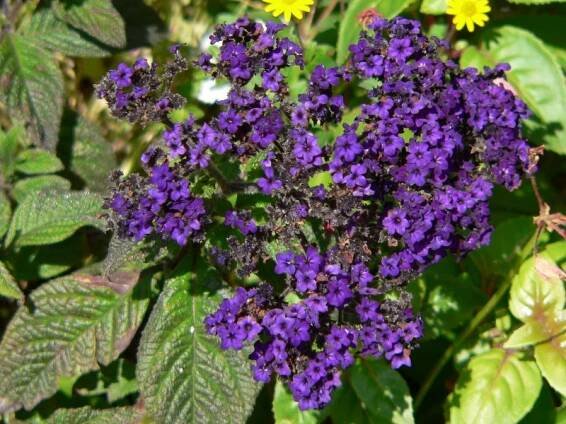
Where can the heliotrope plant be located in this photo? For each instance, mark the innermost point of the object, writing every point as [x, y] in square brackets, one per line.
[406, 183]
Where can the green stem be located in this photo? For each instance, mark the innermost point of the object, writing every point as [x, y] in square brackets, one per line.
[482, 314]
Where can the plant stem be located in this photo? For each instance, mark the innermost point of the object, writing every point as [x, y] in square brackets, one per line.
[482, 314]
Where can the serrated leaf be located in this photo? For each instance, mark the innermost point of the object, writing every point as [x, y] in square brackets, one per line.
[85, 152]
[72, 325]
[535, 74]
[383, 393]
[5, 214]
[98, 18]
[50, 217]
[551, 359]
[31, 87]
[183, 375]
[87, 415]
[37, 161]
[8, 286]
[34, 185]
[350, 27]
[286, 410]
[54, 34]
[537, 294]
[497, 387]
[434, 7]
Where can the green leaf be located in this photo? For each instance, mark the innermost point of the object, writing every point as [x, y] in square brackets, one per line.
[86, 153]
[286, 410]
[34, 185]
[537, 292]
[434, 7]
[382, 392]
[54, 34]
[535, 74]
[8, 286]
[351, 27]
[543, 410]
[74, 324]
[37, 161]
[98, 18]
[528, 334]
[50, 217]
[8, 146]
[31, 87]
[115, 381]
[183, 375]
[5, 214]
[497, 387]
[506, 243]
[87, 415]
[551, 359]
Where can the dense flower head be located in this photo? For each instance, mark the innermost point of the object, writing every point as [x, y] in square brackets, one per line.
[343, 224]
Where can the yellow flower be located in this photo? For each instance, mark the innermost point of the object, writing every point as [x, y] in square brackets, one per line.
[468, 12]
[288, 8]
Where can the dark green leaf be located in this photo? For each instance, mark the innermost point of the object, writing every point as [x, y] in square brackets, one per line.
[350, 27]
[98, 18]
[382, 392]
[543, 410]
[5, 214]
[54, 34]
[8, 147]
[115, 381]
[72, 325]
[87, 415]
[34, 185]
[50, 217]
[8, 286]
[85, 152]
[497, 387]
[184, 376]
[31, 87]
[37, 161]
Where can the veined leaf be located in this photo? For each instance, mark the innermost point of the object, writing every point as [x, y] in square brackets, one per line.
[286, 410]
[75, 323]
[183, 375]
[528, 334]
[37, 161]
[85, 152]
[551, 359]
[350, 27]
[34, 185]
[8, 286]
[498, 387]
[31, 87]
[537, 292]
[50, 217]
[87, 415]
[5, 214]
[98, 18]
[9, 142]
[54, 34]
[382, 392]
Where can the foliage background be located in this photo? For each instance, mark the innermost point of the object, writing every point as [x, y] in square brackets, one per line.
[91, 334]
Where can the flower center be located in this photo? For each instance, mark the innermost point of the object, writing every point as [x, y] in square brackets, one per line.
[469, 8]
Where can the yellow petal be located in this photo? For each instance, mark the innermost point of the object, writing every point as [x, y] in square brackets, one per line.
[459, 23]
[287, 15]
[270, 8]
[470, 25]
[297, 14]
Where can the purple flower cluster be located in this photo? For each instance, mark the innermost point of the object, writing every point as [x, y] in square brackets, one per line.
[162, 205]
[141, 93]
[404, 184]
[301, 342]
[429, 146]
